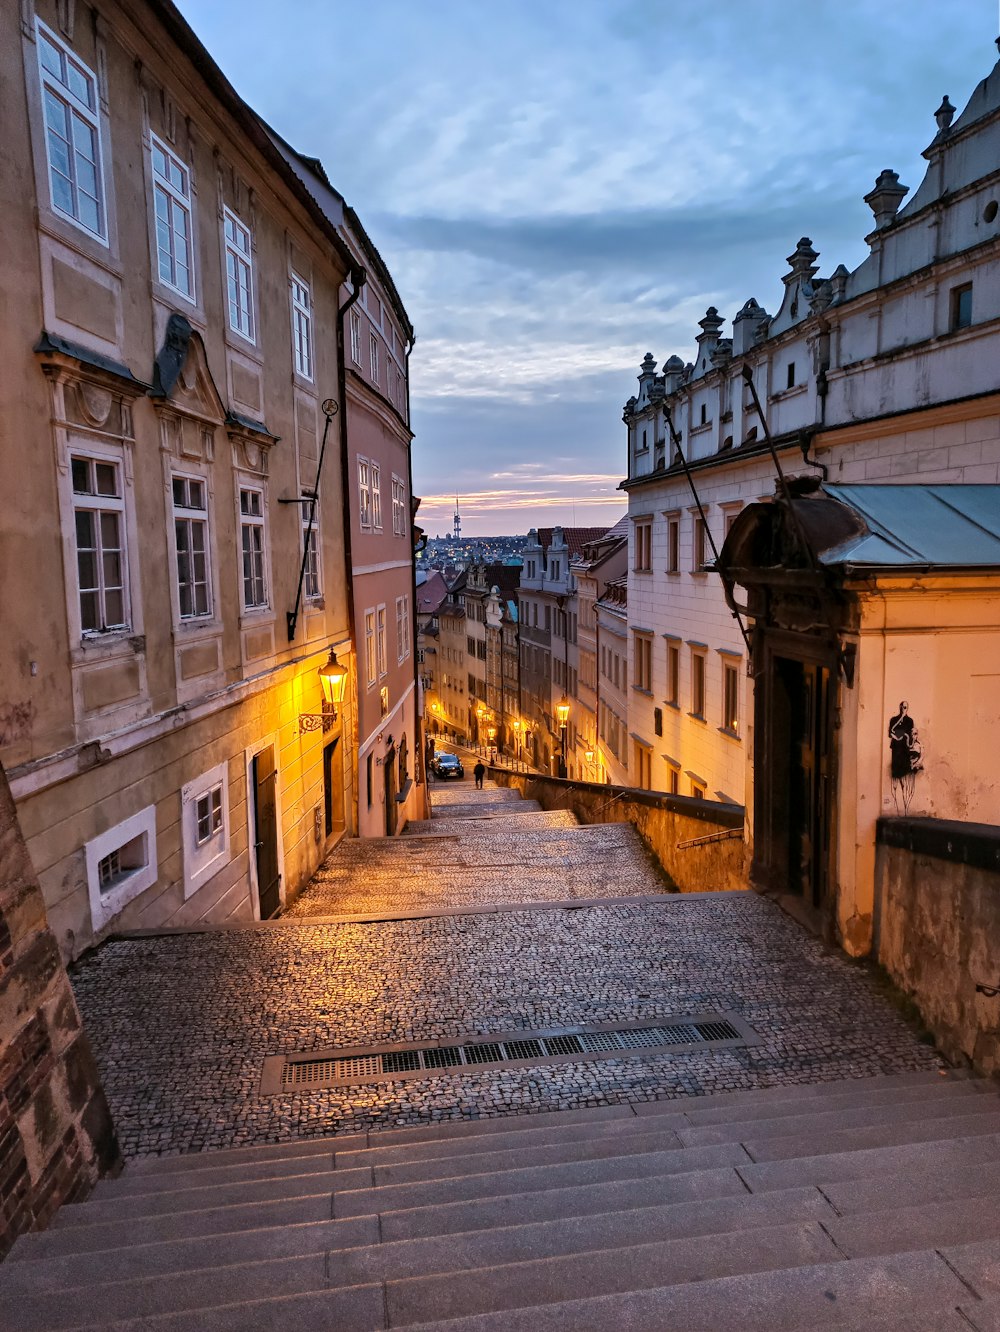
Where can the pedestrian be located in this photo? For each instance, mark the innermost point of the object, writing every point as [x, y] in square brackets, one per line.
[479, 772]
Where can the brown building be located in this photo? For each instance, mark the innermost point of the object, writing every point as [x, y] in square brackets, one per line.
[173, 350]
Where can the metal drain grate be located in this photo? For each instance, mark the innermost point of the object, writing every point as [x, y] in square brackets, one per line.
[331, 1069]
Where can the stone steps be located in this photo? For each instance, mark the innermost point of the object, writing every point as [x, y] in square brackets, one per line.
[873, 1208]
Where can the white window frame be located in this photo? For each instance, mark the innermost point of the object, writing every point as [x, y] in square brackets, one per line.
[355, 337]
[185, 513]
[302, 323]
[382, 655]
[699, 684]
[104, 906]
[101, 504]
[371, 661]
[58, 87]
[203, 860]
[376, 475]
[643, 528]
[642, 675]
[402, 629]
[178, 199]
[312, 582]
[238, 251]
[364, 492]
[251, 523]
[373, 356]
[398, 506]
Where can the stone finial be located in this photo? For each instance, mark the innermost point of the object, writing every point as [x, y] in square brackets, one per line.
[838, 282]
[945, 114]
[673, 373]
[803, 261]
[748, 325]
[722, 352]
[648, 366]
[629, 409]
[885, 198]
[711, 324]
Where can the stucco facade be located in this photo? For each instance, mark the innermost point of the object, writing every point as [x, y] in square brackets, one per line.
[172, 333]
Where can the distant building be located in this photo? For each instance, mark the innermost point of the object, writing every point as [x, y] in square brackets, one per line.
[611, 611]
[597, 564]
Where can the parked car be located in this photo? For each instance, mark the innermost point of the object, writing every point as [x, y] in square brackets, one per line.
[448, 765]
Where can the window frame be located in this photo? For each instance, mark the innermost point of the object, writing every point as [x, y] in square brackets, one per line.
[249, 523]
[402, 628]
[376, 492]
[398, 505]
[312, 554]
[242, 262]
[104, 906]
[643, 529]
[730, 697]
[371, 660]
[642, 656]
[373, 356]
[176, 199]
[204, 859]
[302, 325]
[190, 515]
[356, 337]
[673, 692]
[673, 563]
[91, 116]
[100, 504]
[699, 684]
[364, 493]
[381, 647]
[957, 318]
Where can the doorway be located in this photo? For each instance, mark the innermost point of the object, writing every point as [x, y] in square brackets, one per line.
[794, 777]
[333, 789]
[389, 774]
[265, 807]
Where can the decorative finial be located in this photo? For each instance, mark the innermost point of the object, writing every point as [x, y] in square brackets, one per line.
[885, 198]
[945, 113]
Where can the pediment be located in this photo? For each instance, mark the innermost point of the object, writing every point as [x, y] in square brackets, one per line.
[181, 376]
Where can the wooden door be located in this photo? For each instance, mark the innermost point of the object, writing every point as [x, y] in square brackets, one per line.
[333, 788]
[265, 781]
[389, 771]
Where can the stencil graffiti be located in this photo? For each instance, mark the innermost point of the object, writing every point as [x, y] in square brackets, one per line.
[905, 755]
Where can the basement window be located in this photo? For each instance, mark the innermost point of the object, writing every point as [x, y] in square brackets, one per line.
[121, 864]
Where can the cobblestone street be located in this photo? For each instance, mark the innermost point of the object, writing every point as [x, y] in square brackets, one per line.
[182, 1023]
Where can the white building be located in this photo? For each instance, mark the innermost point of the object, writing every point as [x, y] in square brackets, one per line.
[887, 373]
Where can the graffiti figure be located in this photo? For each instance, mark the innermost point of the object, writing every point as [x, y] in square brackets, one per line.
[904, 757]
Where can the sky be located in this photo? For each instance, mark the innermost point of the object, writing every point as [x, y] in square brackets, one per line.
[560, 187]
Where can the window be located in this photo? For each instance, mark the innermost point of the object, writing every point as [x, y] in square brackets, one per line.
[673, 675]
[402, 628]
[961, 306]
[99, 523]
[697, 788]
[302, 353]
[72, 135]
[205, 827]
[355, 337]
[700, 545]
[673, 544]
[121, 863]
[643, 766]
[239, 275]
[731, 516]
[370, 785]
[383, 661]
[790, 383]
[383, 701]
[172, 208]
[643, 669]
[191, 538]
[398, 506]
[373, 354]
[644, 547]
[697, 684]
[730, 698]
[364, 492]
[252, 542]
[703, 415]
[312, 584]
[554, 569]
[376, 473]
[673, 780]
[371, 664]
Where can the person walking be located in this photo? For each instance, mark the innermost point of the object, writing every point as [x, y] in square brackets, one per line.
[479, 772]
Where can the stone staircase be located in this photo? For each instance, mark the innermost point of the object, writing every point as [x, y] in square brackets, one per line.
[869, 1204]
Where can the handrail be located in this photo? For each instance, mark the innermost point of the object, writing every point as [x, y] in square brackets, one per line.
[726, 835]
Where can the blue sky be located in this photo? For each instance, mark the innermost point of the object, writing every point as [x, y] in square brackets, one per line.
[560, 187]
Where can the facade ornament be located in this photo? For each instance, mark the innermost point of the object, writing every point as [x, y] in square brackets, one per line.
[171, 356]
[802, 262]
[888, 194]
[708, 338]
[944, 115]
[673, 374]
[722, 353]
[749, 326]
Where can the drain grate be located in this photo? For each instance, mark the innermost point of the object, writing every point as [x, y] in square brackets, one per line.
[331, 1069]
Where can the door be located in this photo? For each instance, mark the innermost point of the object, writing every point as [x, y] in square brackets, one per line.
[389, 771]
[265, 780]
[333, 789]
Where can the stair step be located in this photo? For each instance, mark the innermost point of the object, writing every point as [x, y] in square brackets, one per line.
[165, 1203]
[272, 1151]
[722, 1109]
[129, 1185]
[983, 1316]
[867, 1163]
[359, 1309]
[178, 1225]
[519, 1286]
[925, 1226]
[921, 1185]
[873, 1135]
[789, 1300]
[532, 1179]
[932, 1110]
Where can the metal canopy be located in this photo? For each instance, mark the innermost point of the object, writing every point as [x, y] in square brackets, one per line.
[916, 526]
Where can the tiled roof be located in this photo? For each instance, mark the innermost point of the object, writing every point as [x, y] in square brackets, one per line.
[575, 537]
[431, 593]
[615, 593]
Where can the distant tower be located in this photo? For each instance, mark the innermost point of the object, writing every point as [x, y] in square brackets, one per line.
[458, 522]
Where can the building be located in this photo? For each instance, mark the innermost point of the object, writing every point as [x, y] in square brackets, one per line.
[547, 616]
[884, 373]
[611, 633]
[448, 707]
[503, 675]
[597, 564]
[174, 307]
[474, 594]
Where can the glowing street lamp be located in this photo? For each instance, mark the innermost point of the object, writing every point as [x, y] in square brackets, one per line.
[332, 678]
[562, 712]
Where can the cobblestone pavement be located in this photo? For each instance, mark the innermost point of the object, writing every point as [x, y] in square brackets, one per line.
[181, 1023]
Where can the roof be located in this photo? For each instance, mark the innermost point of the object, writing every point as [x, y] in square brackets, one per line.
[575, 537]
[615, 593]
[431, 593]
[918, 525]
[507, 577]
[594, 553]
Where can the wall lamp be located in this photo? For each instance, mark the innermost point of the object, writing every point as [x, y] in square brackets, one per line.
[332, 678]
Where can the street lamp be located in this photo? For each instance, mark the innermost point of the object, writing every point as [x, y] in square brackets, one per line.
[562, 712]
[332, 678]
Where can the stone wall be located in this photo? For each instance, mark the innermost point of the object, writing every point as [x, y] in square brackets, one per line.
[56, 1134]
[937, 929]
[662, 820]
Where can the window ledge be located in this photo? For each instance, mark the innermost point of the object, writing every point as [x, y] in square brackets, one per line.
[697, 716]
[675, 707]
[638, 689]
[733, 735]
